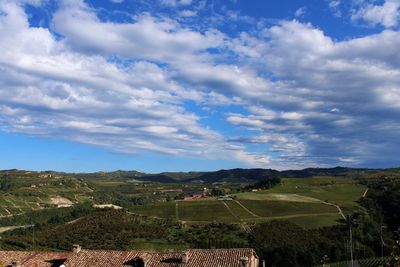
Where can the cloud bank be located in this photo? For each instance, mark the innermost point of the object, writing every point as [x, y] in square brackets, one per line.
[299, 98]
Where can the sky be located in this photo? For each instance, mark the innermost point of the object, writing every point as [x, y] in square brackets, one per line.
[186, 85]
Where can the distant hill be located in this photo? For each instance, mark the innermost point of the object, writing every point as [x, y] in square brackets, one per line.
[231, 175]
[236, 175]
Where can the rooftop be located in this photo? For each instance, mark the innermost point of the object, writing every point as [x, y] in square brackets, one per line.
[243, 257]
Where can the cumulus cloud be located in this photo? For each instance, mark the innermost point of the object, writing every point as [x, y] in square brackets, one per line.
[387, 14]
[304, 98]
[148, 38]
[333, 94]
[47, 89]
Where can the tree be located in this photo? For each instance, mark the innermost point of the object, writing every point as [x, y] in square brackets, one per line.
[396, 249]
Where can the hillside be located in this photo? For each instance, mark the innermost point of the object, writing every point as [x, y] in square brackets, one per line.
[234, 208]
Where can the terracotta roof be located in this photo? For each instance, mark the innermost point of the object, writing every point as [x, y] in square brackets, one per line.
[101, 258]
[32, 258]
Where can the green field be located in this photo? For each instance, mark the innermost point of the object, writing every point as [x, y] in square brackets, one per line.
[28, 192]
[208, 210]
[239, 211]
[308, 202]
[341, 191]
[22, 200]
[161, 210]
[307, 215]
[285, 208]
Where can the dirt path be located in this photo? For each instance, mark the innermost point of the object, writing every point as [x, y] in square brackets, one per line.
[365, 193]
[76, 220]
[230, 211]
[336, 206]
[10, 228]
[40, 200]
[26, 203]
[13, 204]
[246, 209]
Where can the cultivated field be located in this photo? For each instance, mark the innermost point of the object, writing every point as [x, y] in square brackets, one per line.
[27, 192]
[309, 202]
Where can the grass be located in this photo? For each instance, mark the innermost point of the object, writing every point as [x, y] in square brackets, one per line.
[340, 191]
[26, 198]
[296, 200]
[334, 190]
[162, 210]
[238, 210]
[204, 211]
[316, 221]
[106, 183]
[285, 208]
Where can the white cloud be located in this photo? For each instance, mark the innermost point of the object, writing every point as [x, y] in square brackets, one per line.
[305, 97]
[176, 2]
[48, 89]
[245, 121]
[301, 12]
[188, 13]
[334, 5]
[147, 38]
[387, 15]
[332, 95]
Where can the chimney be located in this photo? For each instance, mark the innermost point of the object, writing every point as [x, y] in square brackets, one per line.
[185, 257]
[244, 262]
[15, 264]
[76, 248]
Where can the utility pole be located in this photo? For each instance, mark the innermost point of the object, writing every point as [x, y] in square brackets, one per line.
[350, 222]
[351, 244]
[33, 237]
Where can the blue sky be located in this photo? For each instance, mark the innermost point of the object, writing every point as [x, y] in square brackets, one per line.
[179, 85]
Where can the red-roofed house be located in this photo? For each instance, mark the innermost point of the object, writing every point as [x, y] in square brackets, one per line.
[241, 257]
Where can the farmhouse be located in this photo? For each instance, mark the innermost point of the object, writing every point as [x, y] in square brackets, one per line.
[193, 196]
[224, 198]
[243, 257]
[198, 195]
